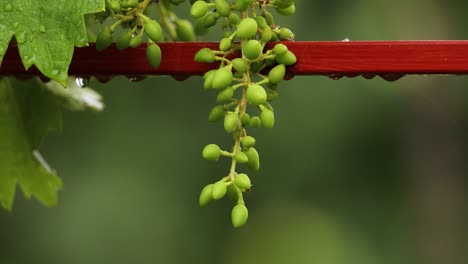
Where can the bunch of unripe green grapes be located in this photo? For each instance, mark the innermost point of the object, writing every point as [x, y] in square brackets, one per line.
[244, 82]
[138, 27]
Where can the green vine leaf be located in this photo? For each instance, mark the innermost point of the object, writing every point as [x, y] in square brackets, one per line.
[46, 32]
[27, 114]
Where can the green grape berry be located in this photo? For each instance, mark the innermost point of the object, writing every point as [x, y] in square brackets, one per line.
[208, 79]
[184, 30]
[256, 94]
[254, 160]
[211, 152]
[216, 114]
[252, 49]
[230, 121]
[198, 9]
[280, 49]
[266, 34]
[240, 65]
[104, 39]
[247, 28]
[153, 53]
[248, 142]
[268, 118]
[287, 59]
[123, 41]
[209, 20]
[136, 41]
[225, 95]
[222, 78]
[241, 157]
[153, 30]
[232, 193]
[282, 3]
[255, 122]
[277, 74]
[205, 55]
[285, 34]
[239, 215]
[242, 181]
[222, 7]
[245, 119]
[287, 11]
[225, 44]
[241, 5]
[234, 19]
[261, 22]
[219, 190]
[268, 18]
[206, 196]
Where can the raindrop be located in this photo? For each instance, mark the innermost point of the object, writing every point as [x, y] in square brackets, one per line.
[42, 29]
[136, 78]
[7, 7]
[82, 81]
[335, 76]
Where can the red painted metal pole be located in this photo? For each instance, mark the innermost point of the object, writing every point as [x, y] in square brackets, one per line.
[333, 58]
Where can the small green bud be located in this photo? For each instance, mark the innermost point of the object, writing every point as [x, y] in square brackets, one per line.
[287, 59]
[211, 152]
[287, 11]
[285, 34]
[132, 3]
[208, 79]
[282, 3]
[247, 28]
[216, 114]
[104, 39]
[225, 95]
[245, 119]
[209, 20]
[184, 30]
[205, 55]
[233, 19]
[232, 193]
[277, 73]
[115, 6]
[219, 190]
[241, 157]
[252, 49]
[225, 44]
[254, 160]
[222, 78]
[266, 34]
[268, 18]
[241, 5]
[222, 7]
[153, 53]
[135, 41]
[230, 121]
[256, 94]
[240, 65]
[206, 196]
[123, 41]
[280, 49]
[248, 142]
[153, 30]
[261, 22]
[268, 118]
[242, 181]
[198, 9]
[255, 122]
[239, 215]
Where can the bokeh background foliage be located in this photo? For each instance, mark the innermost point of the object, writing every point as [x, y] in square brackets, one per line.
[355, 171]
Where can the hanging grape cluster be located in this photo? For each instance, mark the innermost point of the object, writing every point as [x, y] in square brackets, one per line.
[245, 82]
[137, 27]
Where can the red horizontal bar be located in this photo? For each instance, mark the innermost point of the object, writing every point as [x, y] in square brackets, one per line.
[335, 58]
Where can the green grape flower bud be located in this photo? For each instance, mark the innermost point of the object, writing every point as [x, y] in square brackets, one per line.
[280, 49]
[268, 18]
[242, 181]
[285, 34]
[241, 157]
[135, 41]
[247, 28]
[239, 215]
[205, 55]
[153, 53]
[209, 20]
[104, 39]
[245, 119]
[261, 22]
[255, 122]
[230, 121]
[132, 3]
[277, 73]
[287, 11]
[252, 49]
[206, 196]
[232, 193]
[198, 9]
[256, 94]
[287, 59]
[268, 118]
[234, 19]
[208, 79]
[225, 44]
[211, 152]
[184, 30]
[282, 3]
[225, 95]
[222, 7]
[222, 78]
[123, 41]
[241, 5]
[219, 190]
[115, 6]
[248, 142]
[266, 34]
[216, 114]
[153, 30]
[254, 160]
[240, 65]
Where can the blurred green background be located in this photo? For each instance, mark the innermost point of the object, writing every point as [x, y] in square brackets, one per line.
[355, 171]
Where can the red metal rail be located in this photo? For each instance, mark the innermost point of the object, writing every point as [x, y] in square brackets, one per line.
[389, 59]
